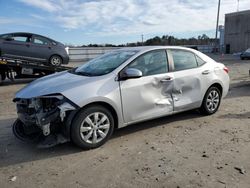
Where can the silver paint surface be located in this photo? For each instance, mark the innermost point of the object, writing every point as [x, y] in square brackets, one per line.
[138, 99]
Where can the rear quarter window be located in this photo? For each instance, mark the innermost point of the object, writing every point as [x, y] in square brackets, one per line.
[200, 61]
[5, 36]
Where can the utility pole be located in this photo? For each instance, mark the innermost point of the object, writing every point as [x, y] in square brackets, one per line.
[142, 39]
[217, 23]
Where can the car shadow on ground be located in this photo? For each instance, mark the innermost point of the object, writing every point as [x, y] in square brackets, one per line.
[13, 151]
[245, 115]
[163, 121]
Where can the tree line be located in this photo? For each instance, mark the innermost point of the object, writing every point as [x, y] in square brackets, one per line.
[164, 40]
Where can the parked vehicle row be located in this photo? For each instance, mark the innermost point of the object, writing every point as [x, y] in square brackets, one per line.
[245, 54]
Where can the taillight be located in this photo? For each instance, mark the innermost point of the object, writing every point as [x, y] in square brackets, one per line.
[226, 69]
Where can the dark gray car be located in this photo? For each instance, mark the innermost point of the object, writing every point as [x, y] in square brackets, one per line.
[245, 54]
[33, 47]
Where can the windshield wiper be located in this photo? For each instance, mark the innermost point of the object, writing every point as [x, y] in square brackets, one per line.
[73, 71]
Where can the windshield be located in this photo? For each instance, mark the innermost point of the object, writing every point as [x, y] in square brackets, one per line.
[105, 63]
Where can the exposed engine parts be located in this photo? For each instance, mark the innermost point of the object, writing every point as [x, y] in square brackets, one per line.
[44, 114]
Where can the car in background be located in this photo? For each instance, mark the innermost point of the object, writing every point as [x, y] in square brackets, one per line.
[117, 89]
[245, 54]
[33, 47]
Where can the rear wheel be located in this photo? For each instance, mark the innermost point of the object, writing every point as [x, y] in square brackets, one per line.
[56, 60]
[92, 127]
[211, 101]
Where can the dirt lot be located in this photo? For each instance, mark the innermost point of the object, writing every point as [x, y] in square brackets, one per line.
[184, 150]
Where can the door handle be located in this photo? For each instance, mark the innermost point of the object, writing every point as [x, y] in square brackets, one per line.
[167, 79]
[205, 72]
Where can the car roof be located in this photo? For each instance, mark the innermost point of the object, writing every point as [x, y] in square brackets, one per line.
[149, 48]
[27, 33]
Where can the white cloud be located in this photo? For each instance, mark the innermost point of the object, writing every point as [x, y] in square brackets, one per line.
[46, 5]
[112, 17]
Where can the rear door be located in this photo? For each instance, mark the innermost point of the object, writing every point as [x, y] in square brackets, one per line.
[18, 47]
[149, 96]
[189, 79]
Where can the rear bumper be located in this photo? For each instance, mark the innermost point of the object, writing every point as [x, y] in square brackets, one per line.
[65, 59]
[226, 84]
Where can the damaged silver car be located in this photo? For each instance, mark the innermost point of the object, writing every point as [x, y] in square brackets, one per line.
[122, 87]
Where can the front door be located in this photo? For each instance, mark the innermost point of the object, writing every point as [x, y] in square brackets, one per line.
[151, 95]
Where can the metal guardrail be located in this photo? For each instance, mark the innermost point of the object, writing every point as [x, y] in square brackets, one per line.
[83, 54]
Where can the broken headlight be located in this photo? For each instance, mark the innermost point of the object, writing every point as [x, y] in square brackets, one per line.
[43, 110]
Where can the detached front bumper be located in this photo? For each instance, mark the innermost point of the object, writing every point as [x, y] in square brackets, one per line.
[45, 115]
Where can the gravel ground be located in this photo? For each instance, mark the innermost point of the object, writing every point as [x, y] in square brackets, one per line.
[184, 150]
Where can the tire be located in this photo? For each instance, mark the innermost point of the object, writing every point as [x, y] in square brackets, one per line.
[2, 76]
[92, 127]
[211, 101]
[55, 61]
[18, 129]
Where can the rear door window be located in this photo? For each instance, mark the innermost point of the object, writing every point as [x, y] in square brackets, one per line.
[5, 36]
[183, 60]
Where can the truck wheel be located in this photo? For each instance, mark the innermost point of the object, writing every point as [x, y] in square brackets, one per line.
[2, 76]
[92, 127]
[56, 60]
[211, 101]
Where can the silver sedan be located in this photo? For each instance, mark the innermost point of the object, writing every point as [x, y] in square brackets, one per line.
[123, 87]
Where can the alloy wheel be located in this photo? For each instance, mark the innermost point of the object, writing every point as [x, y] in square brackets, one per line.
[56, 61]
[213, 99]
[95, 128]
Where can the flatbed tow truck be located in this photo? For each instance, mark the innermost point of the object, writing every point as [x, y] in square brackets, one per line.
[16, 69]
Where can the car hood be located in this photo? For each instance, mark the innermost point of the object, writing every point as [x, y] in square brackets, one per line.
[54, 84]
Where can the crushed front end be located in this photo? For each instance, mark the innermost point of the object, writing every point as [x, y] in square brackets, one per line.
[43, 119]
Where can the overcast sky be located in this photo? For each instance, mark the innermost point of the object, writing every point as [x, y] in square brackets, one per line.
[114, 21]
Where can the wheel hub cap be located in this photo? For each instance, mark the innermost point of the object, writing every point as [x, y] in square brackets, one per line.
[213, 100]
[95, 127]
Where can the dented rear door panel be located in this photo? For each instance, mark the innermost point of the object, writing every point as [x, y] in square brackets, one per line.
[187, 89]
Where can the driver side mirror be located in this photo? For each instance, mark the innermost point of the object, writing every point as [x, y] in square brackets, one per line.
[130, 73]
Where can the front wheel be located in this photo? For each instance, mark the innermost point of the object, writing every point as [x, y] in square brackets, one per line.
[56, 60]
[211, 101]
[92, 127]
